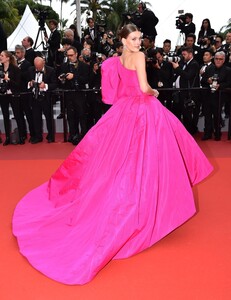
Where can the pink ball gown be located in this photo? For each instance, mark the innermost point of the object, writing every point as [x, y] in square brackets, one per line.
[124, 187]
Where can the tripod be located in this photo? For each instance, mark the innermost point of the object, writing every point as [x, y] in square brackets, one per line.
[42, 32]
[180, 39]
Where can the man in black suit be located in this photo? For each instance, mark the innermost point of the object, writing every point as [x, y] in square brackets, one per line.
[92, 33]
[219, 80]
[25, 105]
[30, 54]
[3, 39]
[75, 75]
[42, 80]
[53, 42]
[163, 77]
[146, 22]
[187, 76]
[206, 71]
[186, 24]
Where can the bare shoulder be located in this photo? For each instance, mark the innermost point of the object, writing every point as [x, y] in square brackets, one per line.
[139, 55]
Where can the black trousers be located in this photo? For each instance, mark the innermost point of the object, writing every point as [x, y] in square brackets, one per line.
[14, 101]
[212, 113]
[94, 108]
[26, 110]
[187, 114]
[41, 106]
[76, 112]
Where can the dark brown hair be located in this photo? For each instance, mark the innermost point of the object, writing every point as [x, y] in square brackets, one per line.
[127, 29]
[12, 59]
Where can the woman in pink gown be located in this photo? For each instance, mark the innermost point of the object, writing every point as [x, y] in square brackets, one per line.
[124, 187]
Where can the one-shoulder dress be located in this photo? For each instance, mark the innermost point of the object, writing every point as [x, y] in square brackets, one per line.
[125, 186]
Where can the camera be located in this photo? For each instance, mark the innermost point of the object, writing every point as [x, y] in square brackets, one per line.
[62, 78]
[171, 58]
[214, 83]
[87, 58]
[42, 15]
[180, 21]
[189, 103]
[134, 15]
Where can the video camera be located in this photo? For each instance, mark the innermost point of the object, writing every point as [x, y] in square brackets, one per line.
[180, 21]
[134, 15]
[42, 15]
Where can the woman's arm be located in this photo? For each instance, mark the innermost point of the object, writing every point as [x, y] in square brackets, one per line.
[142, 76]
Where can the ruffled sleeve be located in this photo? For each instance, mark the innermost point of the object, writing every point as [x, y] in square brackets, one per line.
[110, 80]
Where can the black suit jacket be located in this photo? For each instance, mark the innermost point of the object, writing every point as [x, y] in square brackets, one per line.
[81, 75]
[191, 28]
[14, 74]
[209, 72]
[96, 39]
[24, 67]
[147, 23]
[30, 55]
[190, 75]
[49, 77]
[54, 41]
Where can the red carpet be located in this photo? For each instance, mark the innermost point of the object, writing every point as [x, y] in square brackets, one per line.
[193, 262]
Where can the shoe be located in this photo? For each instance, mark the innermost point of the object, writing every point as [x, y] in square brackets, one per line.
[7, 141]
[60, 116]
[70, 138]
[50, 140]
[21, 141]
[217, 136]
[206, 137]
[36, 140]
[76, 139]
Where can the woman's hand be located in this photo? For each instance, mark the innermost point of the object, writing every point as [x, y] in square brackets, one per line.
[155, 93]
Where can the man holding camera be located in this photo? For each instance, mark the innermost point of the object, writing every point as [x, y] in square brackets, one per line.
[146, 22]
[42, 80]
[187, 76]
[185, 24]
[74, 76]
[219, 79]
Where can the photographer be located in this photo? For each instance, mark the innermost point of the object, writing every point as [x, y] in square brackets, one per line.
[10, 80]
[25, 105]
[164, 78]
[92, 32]
[190, 43]
[185, 24]
[75, 76]
[146, 22]
[42, 80]
[205, 33]
[53, 42]
[107, 44]
[187, 76]
[94, 98]
[218, 81]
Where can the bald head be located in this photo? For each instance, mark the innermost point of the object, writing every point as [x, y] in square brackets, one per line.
[39, 63]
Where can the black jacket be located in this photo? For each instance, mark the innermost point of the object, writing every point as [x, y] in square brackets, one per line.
[147, 23]
[81, 75]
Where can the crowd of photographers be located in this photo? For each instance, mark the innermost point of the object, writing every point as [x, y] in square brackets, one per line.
[190, 78]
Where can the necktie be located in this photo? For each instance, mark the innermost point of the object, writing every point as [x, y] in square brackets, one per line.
[92, 33]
